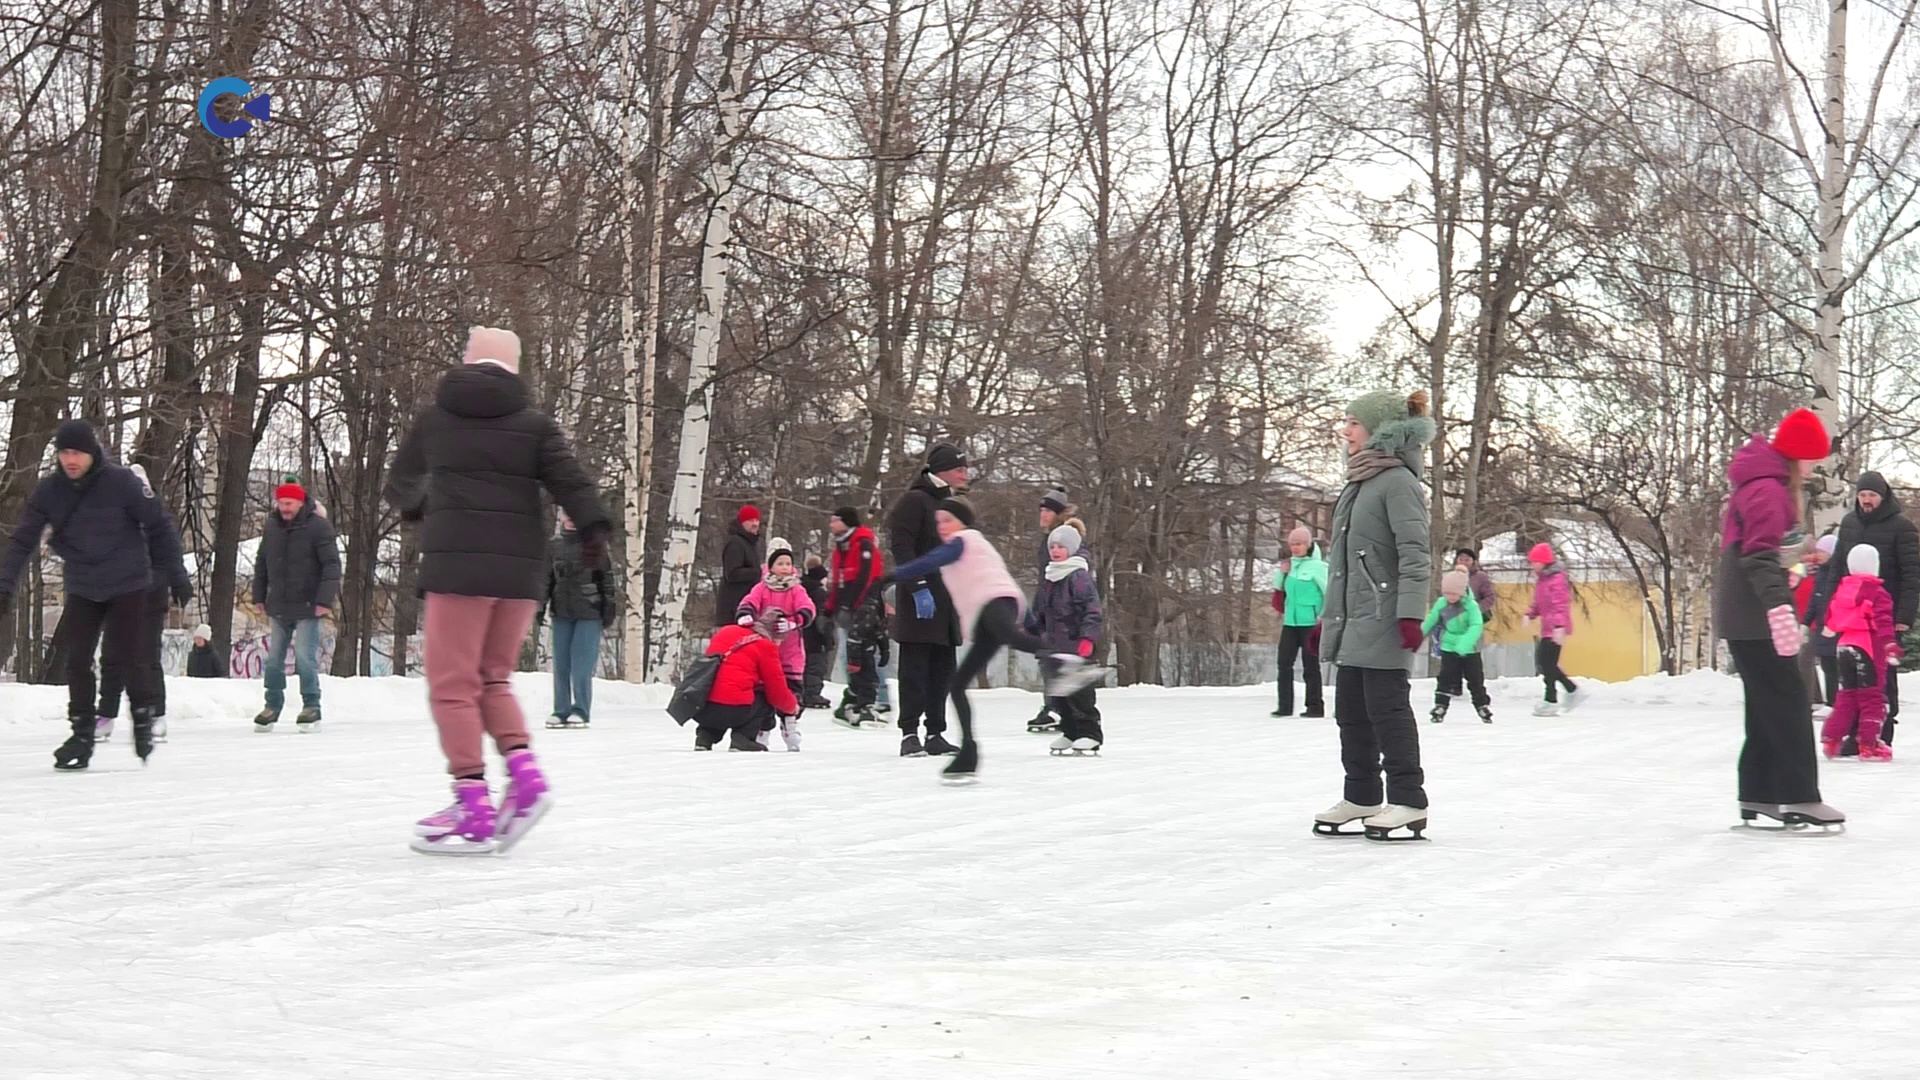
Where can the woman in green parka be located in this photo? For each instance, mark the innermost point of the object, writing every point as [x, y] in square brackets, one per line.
[1379, 569]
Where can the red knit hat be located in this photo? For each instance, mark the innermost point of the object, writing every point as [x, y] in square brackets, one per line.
[1541, 553]
[1802, 437]
[290, 490]
[747, 513]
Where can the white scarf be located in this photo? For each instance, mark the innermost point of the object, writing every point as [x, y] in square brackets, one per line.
[1062, 570]
[781, 582]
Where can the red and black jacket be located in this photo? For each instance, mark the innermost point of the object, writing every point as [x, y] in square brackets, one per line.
[857, 567]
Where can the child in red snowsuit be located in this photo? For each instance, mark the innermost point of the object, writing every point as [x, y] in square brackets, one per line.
[1861, 616]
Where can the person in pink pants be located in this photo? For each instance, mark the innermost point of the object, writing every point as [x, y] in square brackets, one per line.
[1860, 615]
[472, 472]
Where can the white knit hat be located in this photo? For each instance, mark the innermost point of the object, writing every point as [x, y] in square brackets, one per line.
[203, 631]
[1864, 559]
[490, 345]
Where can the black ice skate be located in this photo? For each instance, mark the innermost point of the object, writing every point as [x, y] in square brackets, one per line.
[938, 746]
[1397, 823]
[910, 747]
[1797, 818]
[77, 752]
[960, 771]
[1329, 821]
[1043, 723]
[308, 720]
[264, 720]
[1486, 713]
[143, 734]
[1439, 713]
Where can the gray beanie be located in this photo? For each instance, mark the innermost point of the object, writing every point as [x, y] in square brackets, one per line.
[1067, 537]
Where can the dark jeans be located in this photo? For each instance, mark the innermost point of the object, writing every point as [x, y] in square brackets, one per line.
[113, 677]
[122, 619]
[576, 654]
[1777, 764]
[997, 627]
[1454, 669]
[746, 722]
[1293, 643]
[1377, 732]
[1079, 716]
[1546, 660]
[925, 672]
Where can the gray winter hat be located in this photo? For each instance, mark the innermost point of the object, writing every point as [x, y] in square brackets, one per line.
[1054, 500]
[1067, 537]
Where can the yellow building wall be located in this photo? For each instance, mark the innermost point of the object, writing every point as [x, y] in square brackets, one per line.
[1612, 640]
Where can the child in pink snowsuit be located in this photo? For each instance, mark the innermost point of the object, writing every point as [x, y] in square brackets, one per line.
[1553, 606]
[1861, 616]
[780, 590]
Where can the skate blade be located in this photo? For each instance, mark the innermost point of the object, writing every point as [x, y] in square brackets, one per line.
[307, 729]
[1414, 831]
[440, 847]
[503, 839]
[958, 780]
[1329, 828]
[1788, 830]
[850, 725]
[263, 729]
[556, 725]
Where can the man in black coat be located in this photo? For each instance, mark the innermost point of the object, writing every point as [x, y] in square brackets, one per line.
[1878, 519]
[740, 560]
[296, 579]
[110, 535]
[924, 622]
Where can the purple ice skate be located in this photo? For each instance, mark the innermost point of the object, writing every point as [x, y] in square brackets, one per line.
[526, 801]
[102, 728]
[472, 824]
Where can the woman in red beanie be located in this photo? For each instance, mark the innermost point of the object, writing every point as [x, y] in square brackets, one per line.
[740, 560]
[1753, 607]
[1553, 607]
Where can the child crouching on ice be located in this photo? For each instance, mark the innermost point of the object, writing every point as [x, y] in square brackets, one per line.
[1066, 617]
[1861, 616]
[750, 689]
[988, 603]
[780, 591]
[1461, 623]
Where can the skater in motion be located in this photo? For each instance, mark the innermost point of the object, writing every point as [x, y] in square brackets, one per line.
[1552, 611]
[780, 592]
[989, 603]
[111, 534]
[750, 690]
[853, 600]
[1860, 616]
[1378, 572]
[1779, 774]
[1301, 591]
[153, 625]
[296, 577]
[1878, 520]
[1457, 615]
[580, 601]
[471, 472]
[1066, 617]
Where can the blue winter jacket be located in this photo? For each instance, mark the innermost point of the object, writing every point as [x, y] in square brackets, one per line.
[106, 528]
[1066, 612]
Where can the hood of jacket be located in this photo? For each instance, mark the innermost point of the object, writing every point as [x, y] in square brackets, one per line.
[1757, 460]
[1404, 439]
[739, 530]
[1889, 504]
[481, 391]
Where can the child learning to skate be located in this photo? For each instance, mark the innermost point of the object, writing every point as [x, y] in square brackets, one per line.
[780, 590]
[989, 604]
[1458, 618]
[1860, 615]
[1066, 617]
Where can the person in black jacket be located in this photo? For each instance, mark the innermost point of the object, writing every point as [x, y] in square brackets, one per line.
[471, 472]
[818, 637]
[581, 602]
[153, 626]
[1878, 519]
[740, 563]
[110, 534]
[924, 623]
[202, 663]
[296, 579]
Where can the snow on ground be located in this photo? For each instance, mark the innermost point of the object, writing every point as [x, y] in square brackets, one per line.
[247, 907]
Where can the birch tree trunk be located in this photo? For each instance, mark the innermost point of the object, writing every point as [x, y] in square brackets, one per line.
[634, 517]
[689, 483]
[1830, 275]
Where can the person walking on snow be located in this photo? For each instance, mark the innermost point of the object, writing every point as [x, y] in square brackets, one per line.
[819, 637]
[110, 534]
[989, 602]
[581, 602]
[924, 623]
[1378, 571]
[1753, 612]
[470, 472]
[1302, 585]
[1457, 616]
[1067, 618]
[780, 591]
[750, 688]
[740, 559]
[202, 663]
[1552, 608]
[296, 578]
[1878, 519]
[853, 600]
[153, 626]
[1861, 619]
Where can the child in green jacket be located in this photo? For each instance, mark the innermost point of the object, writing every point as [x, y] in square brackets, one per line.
[1460, 622]
[1299, 592]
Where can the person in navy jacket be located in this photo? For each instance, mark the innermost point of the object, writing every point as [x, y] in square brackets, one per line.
[111, 536]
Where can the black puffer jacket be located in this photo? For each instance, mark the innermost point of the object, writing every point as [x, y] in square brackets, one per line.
[574, 589]
[471, 471]
[739, 572]
[910, 534]
[1892, 533]
[106, 528]
[297, 567]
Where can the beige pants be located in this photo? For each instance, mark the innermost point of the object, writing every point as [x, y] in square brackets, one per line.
[473, 645]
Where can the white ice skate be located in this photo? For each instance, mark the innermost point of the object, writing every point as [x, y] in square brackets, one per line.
[1060, 745]
[159, 729]
[1328, 821]
[1071, 674]
[1797, 818]
[1575, 699]
[1389, 823]
[1546, 708]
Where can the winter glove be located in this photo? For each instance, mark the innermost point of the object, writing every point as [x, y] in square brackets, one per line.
[593, 545]
[784, 626]
[1086, 649]
[182, 592]
[1313, 640]
[923, 603]
[1786, 630]
[744, 620]
[1410, 635]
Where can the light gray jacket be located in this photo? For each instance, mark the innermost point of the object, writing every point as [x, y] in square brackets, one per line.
[1381, 563]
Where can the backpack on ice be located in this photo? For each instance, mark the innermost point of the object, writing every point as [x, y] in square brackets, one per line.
[690, 695]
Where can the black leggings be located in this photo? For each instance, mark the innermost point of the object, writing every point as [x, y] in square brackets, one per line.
[997, 626]
[1546, 659]
[122, 619]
